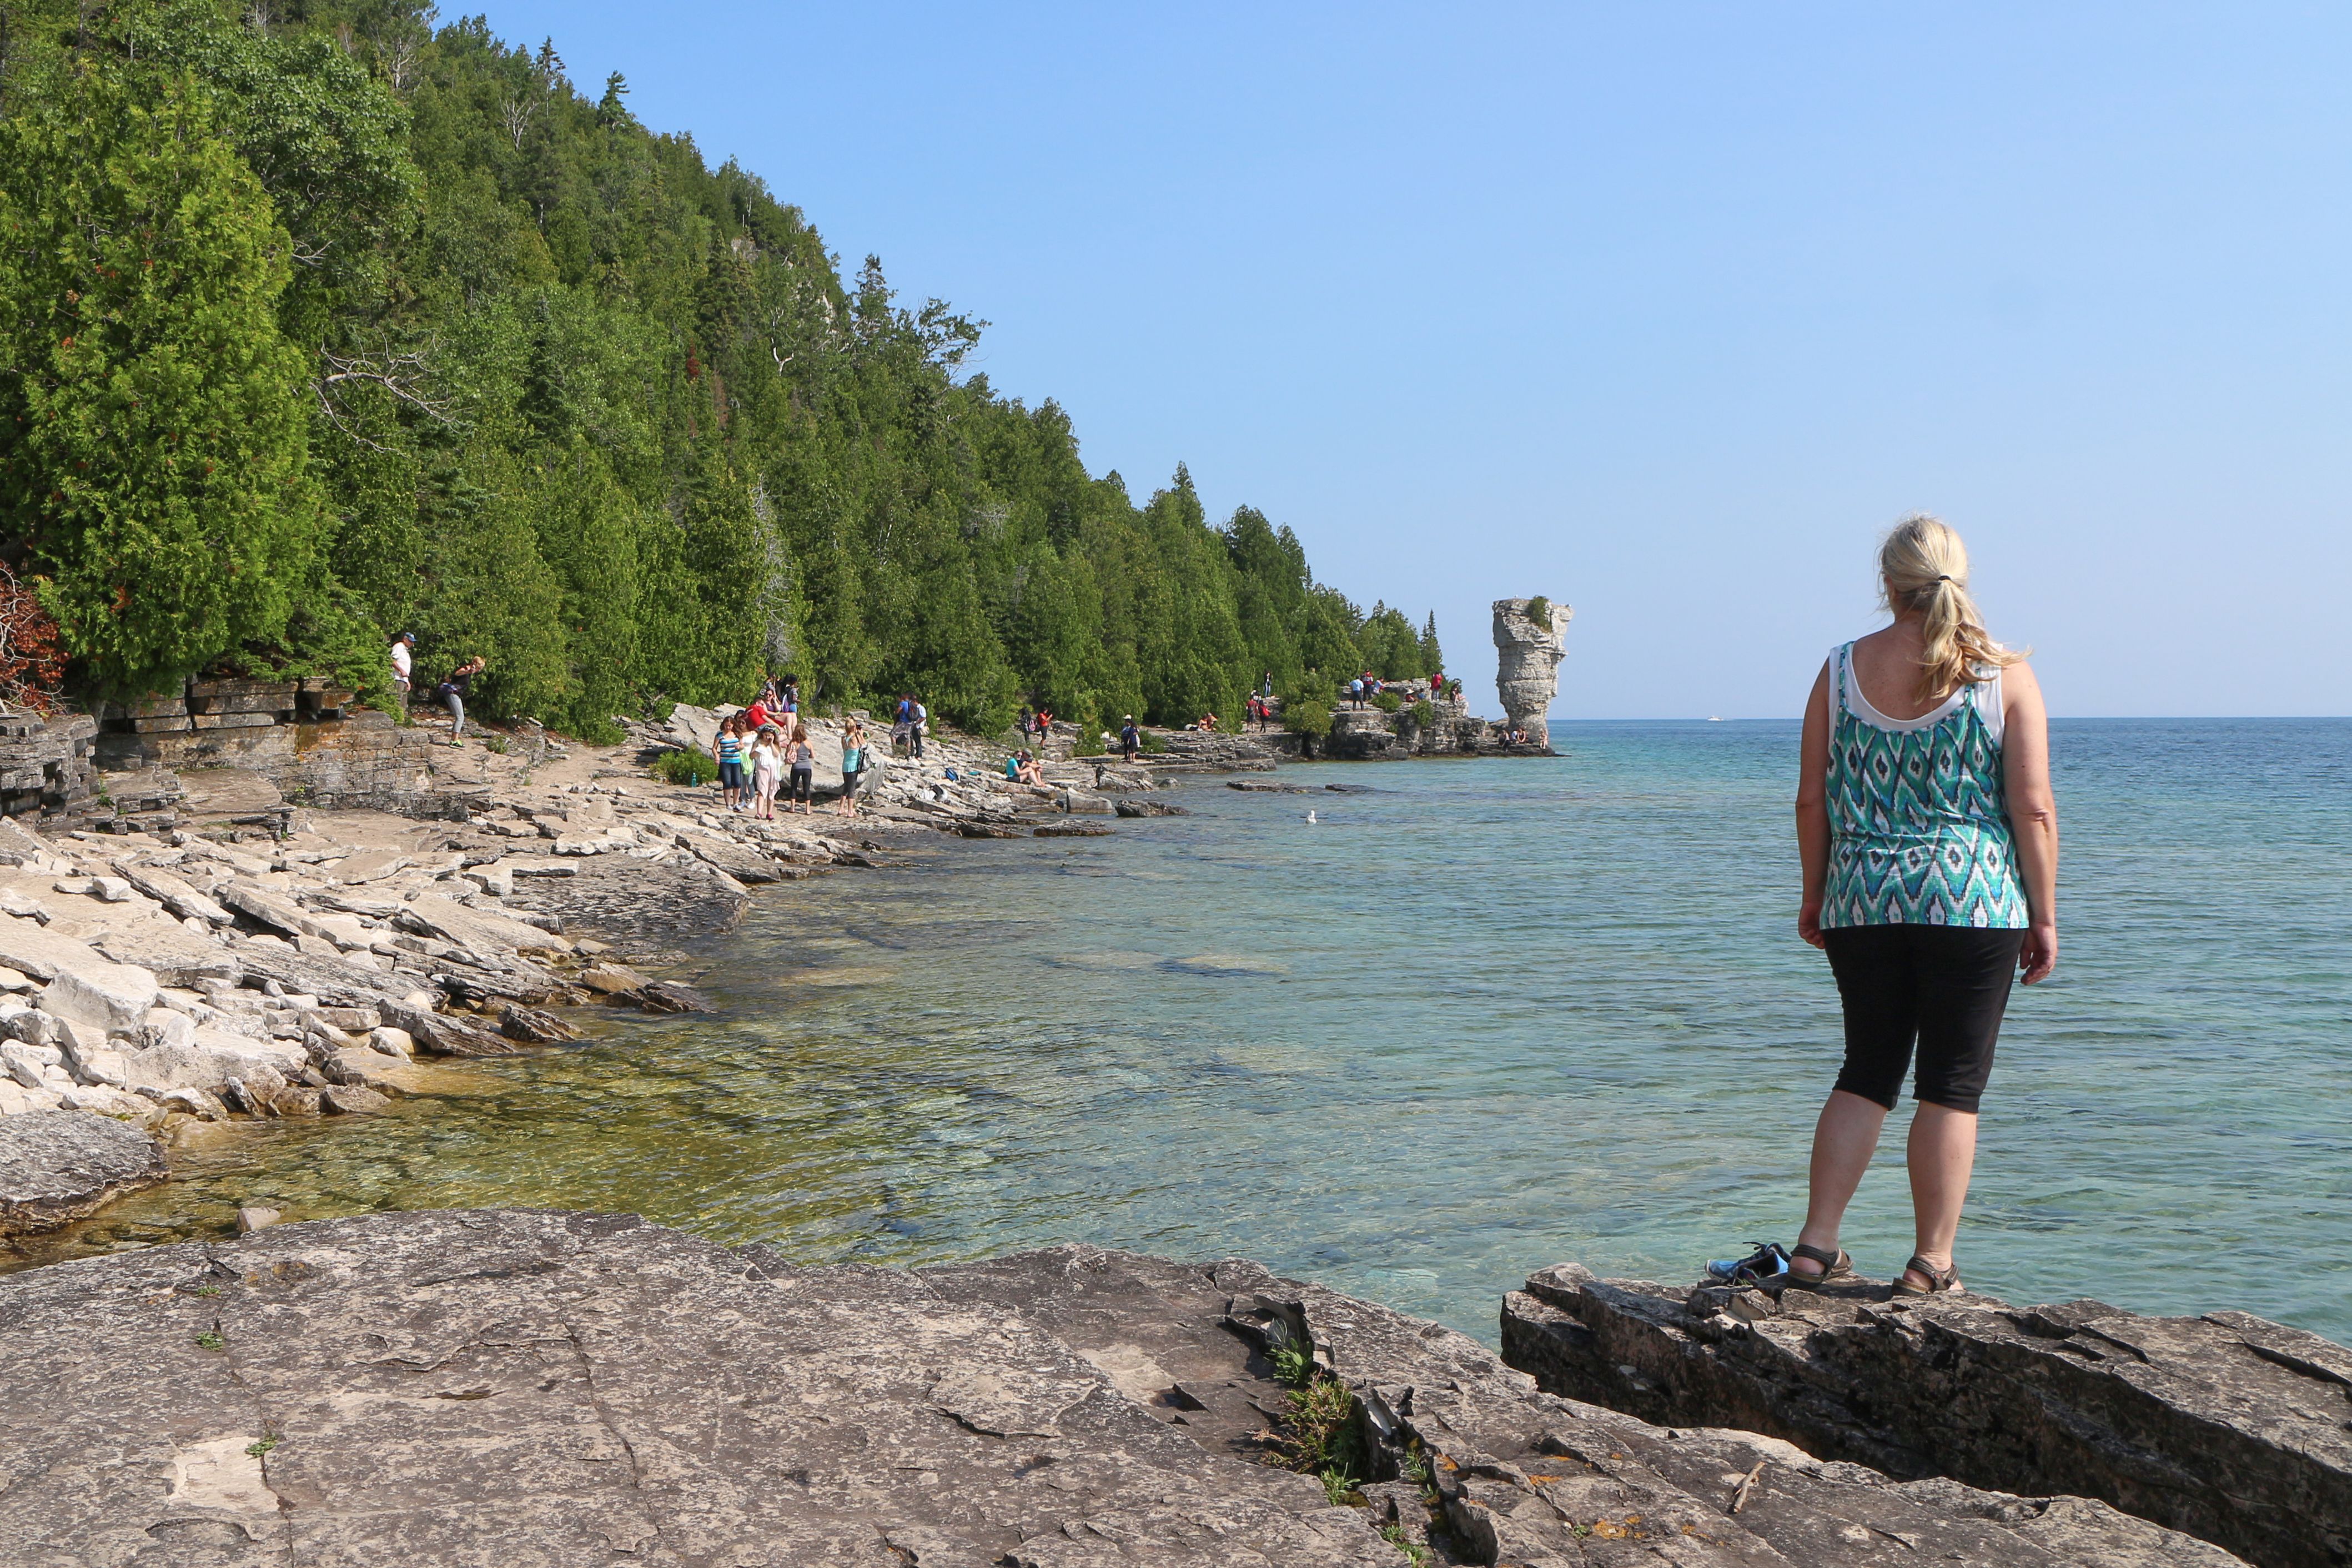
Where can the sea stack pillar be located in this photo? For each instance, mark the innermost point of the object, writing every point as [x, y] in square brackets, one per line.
[1527, 651]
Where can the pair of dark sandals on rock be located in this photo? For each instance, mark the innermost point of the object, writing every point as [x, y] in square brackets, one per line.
[1774, 1266]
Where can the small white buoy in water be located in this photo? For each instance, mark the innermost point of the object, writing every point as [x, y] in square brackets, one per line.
[1310, 814]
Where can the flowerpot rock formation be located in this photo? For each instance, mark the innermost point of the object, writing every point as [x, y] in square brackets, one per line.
[1527, 652]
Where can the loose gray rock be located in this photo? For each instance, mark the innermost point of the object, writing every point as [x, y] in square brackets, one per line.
[2224, 1426]
[57, 1166]
[534, 1026]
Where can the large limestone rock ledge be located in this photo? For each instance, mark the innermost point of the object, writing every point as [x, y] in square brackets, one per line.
[56, 1166]
[2227, 1427]
[517, 1389]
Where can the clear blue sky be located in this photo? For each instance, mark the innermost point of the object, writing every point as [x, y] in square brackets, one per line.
[1663, 311]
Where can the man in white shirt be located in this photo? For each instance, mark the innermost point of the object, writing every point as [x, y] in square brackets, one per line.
[403, 660]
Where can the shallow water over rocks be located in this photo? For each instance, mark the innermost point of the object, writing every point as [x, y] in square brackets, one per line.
[1493, 1014]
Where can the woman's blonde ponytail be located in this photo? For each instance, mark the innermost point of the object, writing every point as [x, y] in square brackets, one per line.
[1926, 568]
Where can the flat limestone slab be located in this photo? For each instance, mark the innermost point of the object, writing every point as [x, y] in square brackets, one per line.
[58, 1165]
[546, 1391]
[523, 1389]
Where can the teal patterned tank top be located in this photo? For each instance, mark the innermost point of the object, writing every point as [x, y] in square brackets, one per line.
[1919, 831]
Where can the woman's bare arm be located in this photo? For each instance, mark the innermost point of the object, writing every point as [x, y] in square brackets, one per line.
[2032, 814]
[1813, 807]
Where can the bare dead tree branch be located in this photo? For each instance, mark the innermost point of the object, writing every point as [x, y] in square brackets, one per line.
[517, 113]
[400, 372]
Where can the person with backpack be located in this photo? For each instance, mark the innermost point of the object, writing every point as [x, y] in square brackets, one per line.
[1130, 739]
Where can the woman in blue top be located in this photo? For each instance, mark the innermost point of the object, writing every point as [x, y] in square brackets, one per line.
[1929, 838]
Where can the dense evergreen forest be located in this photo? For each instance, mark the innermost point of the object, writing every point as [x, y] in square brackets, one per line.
[319, 322]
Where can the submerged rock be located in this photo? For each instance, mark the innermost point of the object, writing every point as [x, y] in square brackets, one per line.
[540, 1388]
[58, 1165]
[2224, 1426]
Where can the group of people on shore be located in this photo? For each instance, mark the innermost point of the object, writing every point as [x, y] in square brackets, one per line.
[1368, 687]
[765, 750]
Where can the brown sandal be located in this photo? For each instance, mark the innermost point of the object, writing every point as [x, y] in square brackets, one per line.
[1836, 1267]
[1941, 1281]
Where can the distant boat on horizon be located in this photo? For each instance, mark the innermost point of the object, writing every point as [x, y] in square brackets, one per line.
[1714, 718]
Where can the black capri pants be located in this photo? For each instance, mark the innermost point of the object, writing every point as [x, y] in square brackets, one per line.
[1943, 987]
[799, 790]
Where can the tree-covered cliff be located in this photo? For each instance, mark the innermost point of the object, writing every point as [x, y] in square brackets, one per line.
[317, 324]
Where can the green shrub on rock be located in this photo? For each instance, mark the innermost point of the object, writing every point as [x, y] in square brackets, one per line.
[1388, 702]
[692, 767]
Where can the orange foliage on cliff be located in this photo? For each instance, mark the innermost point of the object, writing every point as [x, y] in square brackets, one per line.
[31, 666]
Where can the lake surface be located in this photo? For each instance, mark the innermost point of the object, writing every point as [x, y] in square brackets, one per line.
[1495, 1014]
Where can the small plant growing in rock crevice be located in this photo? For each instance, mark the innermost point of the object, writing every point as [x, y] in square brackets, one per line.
[1396, 1536]
[1320, 1434]
[209, 1341]
[268, 1440]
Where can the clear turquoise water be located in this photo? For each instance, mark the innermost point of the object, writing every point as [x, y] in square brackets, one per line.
[1496, 1014]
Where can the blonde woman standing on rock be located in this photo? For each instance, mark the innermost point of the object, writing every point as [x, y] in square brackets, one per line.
[1929, 838]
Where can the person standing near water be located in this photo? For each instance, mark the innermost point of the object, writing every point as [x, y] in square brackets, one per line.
[852, 758]
[1929, 838]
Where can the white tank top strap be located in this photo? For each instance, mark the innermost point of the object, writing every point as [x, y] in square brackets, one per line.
[1991, 706]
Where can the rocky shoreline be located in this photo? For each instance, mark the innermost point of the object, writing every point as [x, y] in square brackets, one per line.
[241, 955]
[196, 945]
[535, 1388]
